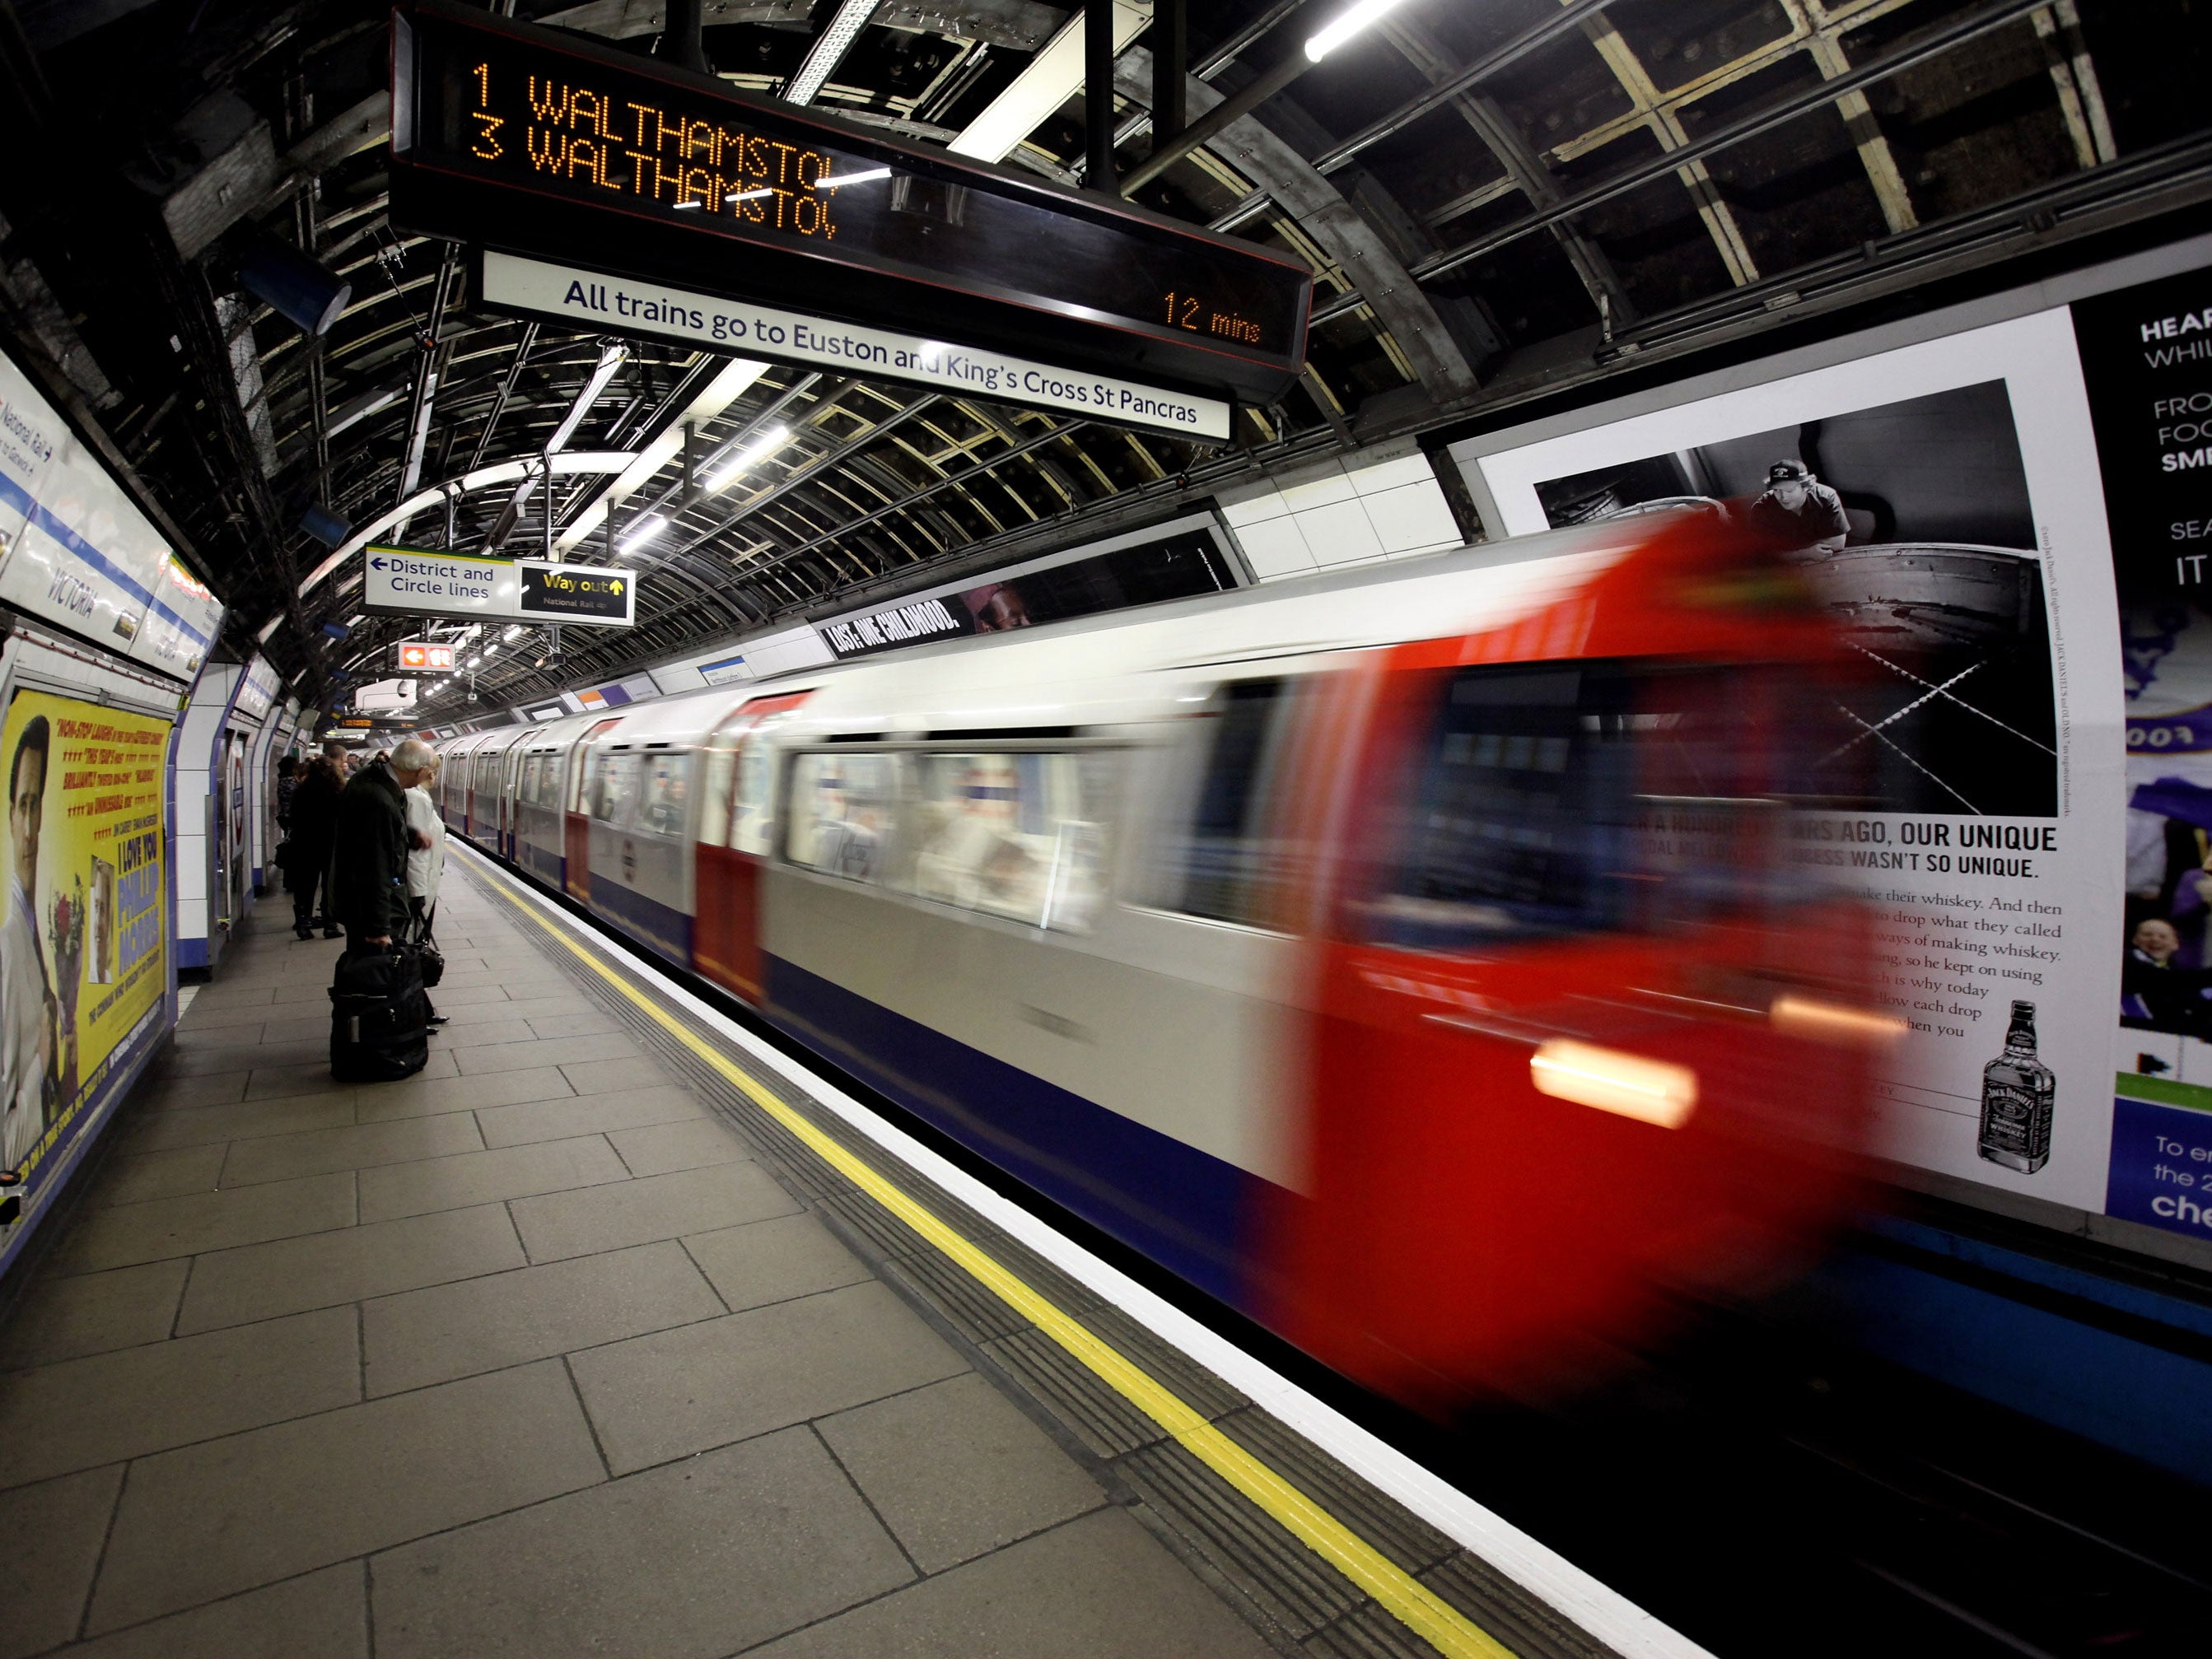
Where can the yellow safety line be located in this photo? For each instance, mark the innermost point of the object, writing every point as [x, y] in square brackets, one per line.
[1412, 1602]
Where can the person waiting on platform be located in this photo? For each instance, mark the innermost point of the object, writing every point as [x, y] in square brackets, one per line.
[368, 856]
[308, 858]
[426, 858]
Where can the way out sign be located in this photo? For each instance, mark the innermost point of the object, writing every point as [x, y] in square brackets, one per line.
[410, 582]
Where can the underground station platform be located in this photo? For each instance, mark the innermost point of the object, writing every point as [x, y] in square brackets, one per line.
[603, 1335]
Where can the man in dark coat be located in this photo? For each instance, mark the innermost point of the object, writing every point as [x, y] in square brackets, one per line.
[307, 855]
[369, 862]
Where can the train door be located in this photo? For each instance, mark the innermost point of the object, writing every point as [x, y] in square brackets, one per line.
[576, 825]
[734, 837]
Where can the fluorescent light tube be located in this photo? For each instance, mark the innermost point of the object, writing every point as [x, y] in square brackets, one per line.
[1349, 22]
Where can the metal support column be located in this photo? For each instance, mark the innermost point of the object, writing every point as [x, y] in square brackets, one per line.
[1098, 95]
[1170, 63]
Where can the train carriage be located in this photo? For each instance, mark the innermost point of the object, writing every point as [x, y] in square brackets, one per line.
[1408, 957]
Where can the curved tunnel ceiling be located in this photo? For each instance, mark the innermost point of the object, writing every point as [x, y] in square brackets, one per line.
[1496, 196]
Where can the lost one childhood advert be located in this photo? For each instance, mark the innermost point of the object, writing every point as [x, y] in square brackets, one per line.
[2013, 525]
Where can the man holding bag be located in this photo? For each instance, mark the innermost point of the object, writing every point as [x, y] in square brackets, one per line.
[369, 862]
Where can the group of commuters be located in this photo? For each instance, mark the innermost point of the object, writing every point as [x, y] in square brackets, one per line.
[367, 839]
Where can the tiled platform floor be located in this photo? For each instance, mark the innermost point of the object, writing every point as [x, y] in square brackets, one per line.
[523, 1356]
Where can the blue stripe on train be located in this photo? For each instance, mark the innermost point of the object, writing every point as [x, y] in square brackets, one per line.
[1182, 1208]
[647, 920]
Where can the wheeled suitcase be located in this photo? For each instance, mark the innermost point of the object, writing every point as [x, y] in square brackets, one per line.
[380, 1018]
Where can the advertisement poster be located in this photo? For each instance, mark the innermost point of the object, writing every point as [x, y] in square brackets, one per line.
[2146, 356]
[81, 973]
[1149, 572]
[1942, 501]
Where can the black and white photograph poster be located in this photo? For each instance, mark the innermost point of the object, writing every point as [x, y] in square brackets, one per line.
[1942, 501]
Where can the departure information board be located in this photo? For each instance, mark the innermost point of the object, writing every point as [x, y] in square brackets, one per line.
[524, 139]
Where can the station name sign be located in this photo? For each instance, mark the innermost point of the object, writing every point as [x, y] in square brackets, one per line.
[588, 300]
[409, 582]
[536, 141]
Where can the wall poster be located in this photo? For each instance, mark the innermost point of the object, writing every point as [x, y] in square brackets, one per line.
[82, 944]
[1943, 498]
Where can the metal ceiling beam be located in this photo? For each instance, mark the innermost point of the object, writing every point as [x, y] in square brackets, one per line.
[1946, 37]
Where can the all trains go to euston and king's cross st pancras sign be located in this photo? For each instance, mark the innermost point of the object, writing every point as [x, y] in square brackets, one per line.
[528, 142]
[410, 581]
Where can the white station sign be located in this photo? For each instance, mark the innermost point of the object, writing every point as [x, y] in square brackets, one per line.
[600, 304]
[406, 581]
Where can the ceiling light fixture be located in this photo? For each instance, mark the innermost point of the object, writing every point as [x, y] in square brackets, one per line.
[646, 529]
[751, 195]
[828, 51]
[839, 180]
[758, 449]
[1349, 22]
[514, 633]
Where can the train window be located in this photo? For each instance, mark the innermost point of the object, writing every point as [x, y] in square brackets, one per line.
[714, 787]
[1219, 862]
[614, 789]
[1585, 798]
[666, 798]
[842, 810]
[1019, 834]
[751, 827]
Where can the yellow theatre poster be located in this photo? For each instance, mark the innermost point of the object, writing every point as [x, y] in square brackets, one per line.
[82, 939]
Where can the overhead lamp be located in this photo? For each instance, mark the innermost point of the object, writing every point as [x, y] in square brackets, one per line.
[1349, 22]
[751, 195]
[611, 358]
[758, 449]
[839, 180]
[828, 51]
[514, 633]
[476, 662]
[646, 528]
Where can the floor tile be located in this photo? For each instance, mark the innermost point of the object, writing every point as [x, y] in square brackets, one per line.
[62, 1317]
[774, 1260]
[575, 1022]
[1100, 1588]
[171, 1093]
[602, 1077]
[657, 1397]
[450, 997]
[206, 1125]
[275, 1082]
[654, 1206]
[418, 1096]
[300, 1051]
[214, 997]
[131, 1178]
[233, 1287]
[106, 1408]
[487, 1177]
[552, 1007]
[554, 1120]
[227, 1028]
[483, 1034]
[50, 1540]
[688, 1144]
[955, 1470]
[690, 1562]
[359, 1146]
[281, 1500]
[455, 1330]
[165, 1227]
[551, 1051]
[319, 1615]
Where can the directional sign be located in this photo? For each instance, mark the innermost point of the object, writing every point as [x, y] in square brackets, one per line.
[412, 581]
[576, 592]
[422, 656]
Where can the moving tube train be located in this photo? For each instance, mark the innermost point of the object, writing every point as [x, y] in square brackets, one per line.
[1413, 958]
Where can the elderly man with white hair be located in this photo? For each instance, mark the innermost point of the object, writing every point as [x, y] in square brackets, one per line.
[369, 864]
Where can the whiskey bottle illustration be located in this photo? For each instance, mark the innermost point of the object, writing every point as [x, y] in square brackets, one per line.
[2016, 1095]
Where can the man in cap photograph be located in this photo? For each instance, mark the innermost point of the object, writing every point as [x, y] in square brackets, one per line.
[1798, 511]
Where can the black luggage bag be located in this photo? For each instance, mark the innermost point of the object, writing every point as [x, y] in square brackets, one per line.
[380, 1018]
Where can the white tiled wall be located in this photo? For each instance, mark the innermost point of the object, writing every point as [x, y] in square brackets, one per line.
[1381, 503]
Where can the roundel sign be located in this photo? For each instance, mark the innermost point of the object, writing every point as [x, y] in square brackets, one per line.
[423, 655]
